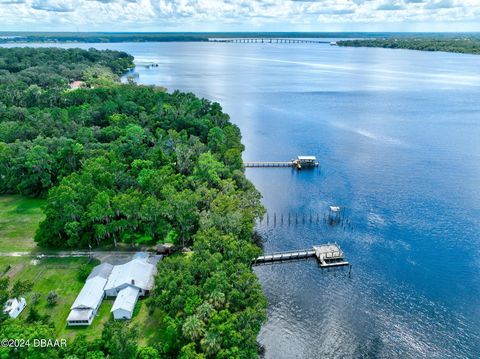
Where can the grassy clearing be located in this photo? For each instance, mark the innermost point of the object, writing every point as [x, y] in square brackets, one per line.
[19, 219]
[52, 274]
[60, 275]
[147, 323]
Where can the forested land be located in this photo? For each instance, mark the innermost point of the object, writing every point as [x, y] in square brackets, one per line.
[465, 44]
[135, 164]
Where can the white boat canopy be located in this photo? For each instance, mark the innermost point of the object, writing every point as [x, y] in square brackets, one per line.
[307, 158]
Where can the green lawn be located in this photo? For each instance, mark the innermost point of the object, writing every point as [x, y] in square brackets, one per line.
[60, 275]
[19, 218]
[52, 274]
[147, 323]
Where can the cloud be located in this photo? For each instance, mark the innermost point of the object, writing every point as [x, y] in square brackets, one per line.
[235, 15]
[391, 6]
[440, 4]
[54, 5]
[336, 11]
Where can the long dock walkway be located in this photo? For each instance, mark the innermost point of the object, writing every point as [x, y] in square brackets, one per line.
[328, 255]
[285, 256]
[298, 163]
[268, 164]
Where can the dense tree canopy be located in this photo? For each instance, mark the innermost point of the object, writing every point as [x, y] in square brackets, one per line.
[134, 164]
[467, 44]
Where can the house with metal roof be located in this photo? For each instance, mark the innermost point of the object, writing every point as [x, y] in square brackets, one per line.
[137, 273]
[103, 270]
[126, 281]
[88, 301]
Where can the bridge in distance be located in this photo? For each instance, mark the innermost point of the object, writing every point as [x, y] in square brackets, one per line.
[270, 40]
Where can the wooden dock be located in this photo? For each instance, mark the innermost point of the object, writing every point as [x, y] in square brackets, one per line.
[285, 256]
[328, 255]
[268, 164]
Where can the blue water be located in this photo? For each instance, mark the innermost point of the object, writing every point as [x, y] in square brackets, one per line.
[397, 134]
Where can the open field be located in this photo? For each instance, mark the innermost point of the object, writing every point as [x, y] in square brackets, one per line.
[60, 275]
[19, 219]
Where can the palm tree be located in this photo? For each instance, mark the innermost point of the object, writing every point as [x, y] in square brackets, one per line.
[217, 299]
[211, 344]
[193, 328]
[205, 311]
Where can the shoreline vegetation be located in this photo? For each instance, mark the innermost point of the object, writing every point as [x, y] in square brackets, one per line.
[463, 45]
[129, 164]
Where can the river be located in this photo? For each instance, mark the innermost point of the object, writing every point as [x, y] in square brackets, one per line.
[397, 134]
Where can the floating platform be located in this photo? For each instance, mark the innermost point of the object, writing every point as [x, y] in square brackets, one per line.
[328, 255]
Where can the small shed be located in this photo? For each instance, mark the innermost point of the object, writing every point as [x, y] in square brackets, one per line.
[125, 303]
[164, 248]
[14, 307]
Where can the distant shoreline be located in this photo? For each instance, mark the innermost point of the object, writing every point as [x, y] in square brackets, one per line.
[115, 37]
[461, 45]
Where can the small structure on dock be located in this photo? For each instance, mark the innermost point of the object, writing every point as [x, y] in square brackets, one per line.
[305, 161]
[328, 255]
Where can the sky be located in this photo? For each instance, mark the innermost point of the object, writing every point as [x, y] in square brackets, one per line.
[240, 15]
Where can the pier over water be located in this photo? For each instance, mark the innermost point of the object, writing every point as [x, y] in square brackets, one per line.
[298, 163]
[328, 255]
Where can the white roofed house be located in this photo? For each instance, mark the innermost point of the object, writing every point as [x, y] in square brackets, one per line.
[13, 307]
[127, 282]
[88, 301]
[138, 273]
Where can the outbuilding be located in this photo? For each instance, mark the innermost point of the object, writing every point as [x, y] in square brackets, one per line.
[14, 307]
[125, 303]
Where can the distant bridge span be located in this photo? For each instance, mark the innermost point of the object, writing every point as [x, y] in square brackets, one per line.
[273, 40]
